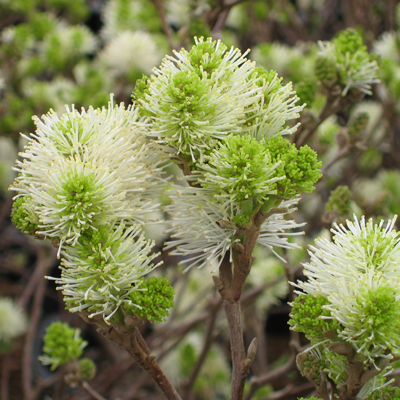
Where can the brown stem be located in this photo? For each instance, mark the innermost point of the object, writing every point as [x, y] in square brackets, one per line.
[5, 376]
[43, 263]
[332, 105]
[209, 338]
[230, 286]
[91, 391]
[239, 368]
[257, 382]
[132, 341]
[160, 7]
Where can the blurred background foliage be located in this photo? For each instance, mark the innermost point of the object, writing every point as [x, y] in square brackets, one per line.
[62, 52]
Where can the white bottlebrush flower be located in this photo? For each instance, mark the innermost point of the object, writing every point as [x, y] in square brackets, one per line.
[75, 196]
[96, 165]
[273, 232]
[69, 42]
[358, 276]
[356, 250]
[355, 69]
[130, 51]
[199, 97]
[368, 309]
[387, 47]
[103, 268]
[178, 12]
[13, 321]
[203, 229]
[277, 107]
[200, 231]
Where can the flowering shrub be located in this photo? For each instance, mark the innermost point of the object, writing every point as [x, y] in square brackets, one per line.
[213, 155]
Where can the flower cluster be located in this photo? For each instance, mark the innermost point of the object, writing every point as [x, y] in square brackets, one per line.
[346, 61]
[352, 296]
[88, 181]
[61, 345]
[222, 119]
[153, 302]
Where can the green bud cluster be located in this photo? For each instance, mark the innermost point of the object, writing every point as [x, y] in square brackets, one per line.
[358, 124]
[349, 41]
[309, 398]
[300, 167]
[338, 207]
[310, 365]
[306, 91]
[240, 167]
[61, 345]
[325, 69]
[23, 216]
[86, 369]
[385, 393]
[306, 314]
[206, 58]
[154, 297]
[252, 173]
[339, 200]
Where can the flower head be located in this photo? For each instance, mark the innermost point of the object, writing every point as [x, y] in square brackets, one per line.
[131, 54]
[103, 268]
[84, 169]
[357, 279]
[347, 61]
[199, 97]
[61, 345]
[203, 229]
[240, 168]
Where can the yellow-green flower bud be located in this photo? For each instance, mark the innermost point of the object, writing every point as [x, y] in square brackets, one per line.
[62, 344]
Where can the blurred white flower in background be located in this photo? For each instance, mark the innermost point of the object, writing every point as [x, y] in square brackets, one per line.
[131, 52]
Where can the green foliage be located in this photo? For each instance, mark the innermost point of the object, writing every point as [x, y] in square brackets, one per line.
[75, 10]
[154, 298]
[325, 69]
[61, 345]
[306, 316]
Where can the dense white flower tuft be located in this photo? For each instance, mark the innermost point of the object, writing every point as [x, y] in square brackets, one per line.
[13, 321]
[357, 275]
[199, 97]
[88, 168]
[103, 268]
[203, 230]
[131, 52]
